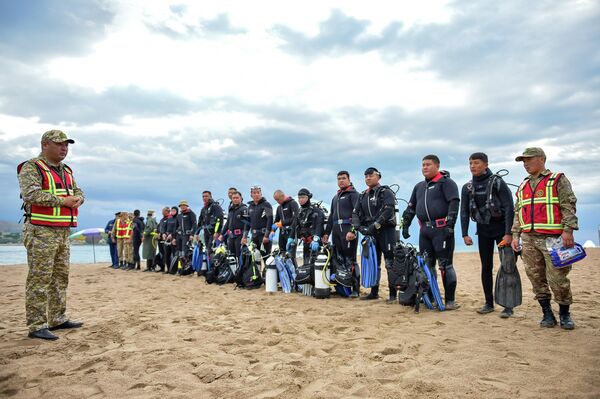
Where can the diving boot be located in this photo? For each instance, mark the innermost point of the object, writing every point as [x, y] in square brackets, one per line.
[393, 298]
[374, 294]
[549, 320]
[355, 290]
[566, 323]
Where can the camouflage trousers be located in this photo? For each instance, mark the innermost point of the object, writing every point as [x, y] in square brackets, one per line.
[128, 251]
[46, 287]
[125, 250]
[543, 275]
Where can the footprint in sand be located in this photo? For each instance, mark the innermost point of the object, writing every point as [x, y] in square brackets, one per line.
[391, 351]
[494, 382]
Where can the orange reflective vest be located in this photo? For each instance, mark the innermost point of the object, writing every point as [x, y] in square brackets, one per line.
[124, 229]
[539, 209]
[52, 182]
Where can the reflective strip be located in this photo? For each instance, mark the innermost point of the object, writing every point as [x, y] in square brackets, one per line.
[52, 218]
[52, 190]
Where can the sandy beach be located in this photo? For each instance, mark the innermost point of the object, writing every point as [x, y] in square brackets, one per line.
[149, 335]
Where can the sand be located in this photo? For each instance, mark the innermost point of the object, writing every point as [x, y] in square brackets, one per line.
[156, 336]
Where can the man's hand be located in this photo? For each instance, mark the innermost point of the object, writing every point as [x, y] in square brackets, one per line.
[468, 240]
[220, 238]
[71, 201]
[515, 245]
[325, 238]
[405, 232]
[244, 241]
[350, 236]
[266, 240]
[507, 239]
[567, 239]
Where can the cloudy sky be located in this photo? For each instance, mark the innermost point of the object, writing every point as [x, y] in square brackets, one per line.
[167, 98]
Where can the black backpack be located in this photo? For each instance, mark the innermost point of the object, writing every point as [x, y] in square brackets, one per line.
[211, 272]
[248, 273]
[410, 280]
[305, 273]
[225, 267]
[342, 268]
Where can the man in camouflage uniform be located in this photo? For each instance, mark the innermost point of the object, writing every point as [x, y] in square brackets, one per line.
[51, 198]
[545, 208]
[120, 229]
[128, 245]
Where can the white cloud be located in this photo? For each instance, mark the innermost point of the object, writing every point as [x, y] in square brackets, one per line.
[252, 67]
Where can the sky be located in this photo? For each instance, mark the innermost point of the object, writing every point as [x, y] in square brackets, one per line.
[168, 98]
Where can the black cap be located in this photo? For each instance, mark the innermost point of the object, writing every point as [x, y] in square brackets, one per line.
[304, 191]
[117, 213]
[372, 170]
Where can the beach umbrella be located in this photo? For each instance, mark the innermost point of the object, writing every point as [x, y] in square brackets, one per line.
[93, 232]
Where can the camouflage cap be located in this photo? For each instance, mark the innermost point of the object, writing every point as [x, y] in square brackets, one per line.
[150, 212]
[183, 202]
[58, 136]
[530, 153]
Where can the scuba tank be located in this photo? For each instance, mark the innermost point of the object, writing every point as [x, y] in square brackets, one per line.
[322, 271]
[204, 265]
[271, 275]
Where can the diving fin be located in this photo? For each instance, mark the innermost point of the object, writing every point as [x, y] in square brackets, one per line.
[368, 263]
[196, 259]
[507, 291]
[284, 277]
[433, 285]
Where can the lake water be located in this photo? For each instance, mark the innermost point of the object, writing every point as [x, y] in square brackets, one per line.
[16, 254]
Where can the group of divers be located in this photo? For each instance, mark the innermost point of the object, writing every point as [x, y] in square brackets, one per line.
[251, 245]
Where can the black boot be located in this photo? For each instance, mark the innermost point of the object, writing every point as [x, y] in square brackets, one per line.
[138, 265]
[355, 288]
[393, 297]
[566, 322]
[374, 294]
[549, 320]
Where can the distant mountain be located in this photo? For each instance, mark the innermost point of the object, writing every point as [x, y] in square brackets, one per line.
[10, 227]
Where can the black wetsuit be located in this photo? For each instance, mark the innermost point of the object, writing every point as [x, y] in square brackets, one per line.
[171, 231]
[435, 203]
[309, 222]
[210, 221]
[285, 214]
[136, 238]
[186, 227]
[261, 219]
[377, 207]
[492, 227]
[339, 225]
[234, 228]
[162, 244]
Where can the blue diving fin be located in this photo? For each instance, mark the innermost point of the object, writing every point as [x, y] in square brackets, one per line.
[433, 285]
[368, 263]
[284, 277]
